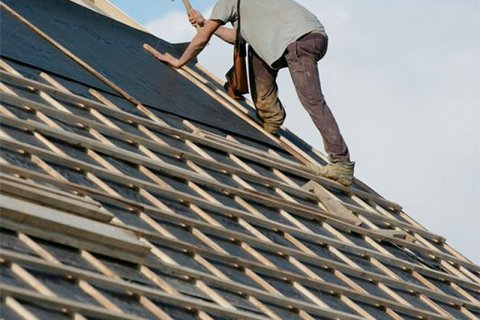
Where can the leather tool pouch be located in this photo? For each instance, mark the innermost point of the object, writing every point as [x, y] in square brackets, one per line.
[237, 79]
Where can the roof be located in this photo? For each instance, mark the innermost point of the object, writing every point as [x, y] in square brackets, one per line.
[134, 191]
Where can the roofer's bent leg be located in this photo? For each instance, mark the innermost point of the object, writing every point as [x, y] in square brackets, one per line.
[302, 57]
[264, 92]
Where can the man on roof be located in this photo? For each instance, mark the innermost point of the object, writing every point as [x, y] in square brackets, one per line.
[280, 34]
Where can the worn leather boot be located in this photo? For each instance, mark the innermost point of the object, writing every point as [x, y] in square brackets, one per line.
[340, 171]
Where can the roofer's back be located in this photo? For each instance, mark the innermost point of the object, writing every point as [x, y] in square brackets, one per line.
[269, 26]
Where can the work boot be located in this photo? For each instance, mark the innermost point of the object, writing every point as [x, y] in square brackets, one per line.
[340, 171]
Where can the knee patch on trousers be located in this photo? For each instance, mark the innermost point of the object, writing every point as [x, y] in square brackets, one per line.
[272, 119]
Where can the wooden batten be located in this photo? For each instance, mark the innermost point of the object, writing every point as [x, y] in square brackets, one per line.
[62, 224]
[53, 198]
[400, 234]
[19, 309]
[334, 206]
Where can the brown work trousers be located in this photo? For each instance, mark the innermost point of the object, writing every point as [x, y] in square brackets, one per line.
[301, 58]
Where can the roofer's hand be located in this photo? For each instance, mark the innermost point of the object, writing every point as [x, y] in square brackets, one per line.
[168, 58]
[196, 18]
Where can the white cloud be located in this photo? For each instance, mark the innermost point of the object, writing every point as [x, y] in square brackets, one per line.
[173, 27]
[403, 79]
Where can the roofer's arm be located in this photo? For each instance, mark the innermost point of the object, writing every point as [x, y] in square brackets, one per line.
[226, 34]
[195, 47]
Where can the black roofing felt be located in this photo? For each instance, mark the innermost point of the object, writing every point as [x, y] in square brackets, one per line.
[22, 44]
[115, 50]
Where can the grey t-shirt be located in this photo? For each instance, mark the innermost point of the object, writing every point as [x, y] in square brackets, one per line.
[269, 26]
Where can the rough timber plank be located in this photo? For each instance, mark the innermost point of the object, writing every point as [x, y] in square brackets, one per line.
[53, 198]
[397, 234]
[334, 207]
[29, 213]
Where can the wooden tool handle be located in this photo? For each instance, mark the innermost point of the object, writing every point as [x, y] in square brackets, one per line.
[188, 5]
[189, 8]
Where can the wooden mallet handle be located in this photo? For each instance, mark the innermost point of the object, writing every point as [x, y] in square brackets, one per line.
[189, 8]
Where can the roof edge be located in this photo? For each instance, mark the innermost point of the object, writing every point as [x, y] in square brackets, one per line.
[108, 9]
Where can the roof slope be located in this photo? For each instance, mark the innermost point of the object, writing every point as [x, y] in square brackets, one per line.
[133, 191]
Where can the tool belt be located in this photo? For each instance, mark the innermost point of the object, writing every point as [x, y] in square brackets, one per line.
[237, 82]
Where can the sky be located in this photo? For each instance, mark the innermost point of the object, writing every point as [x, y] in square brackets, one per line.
[403, 81]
